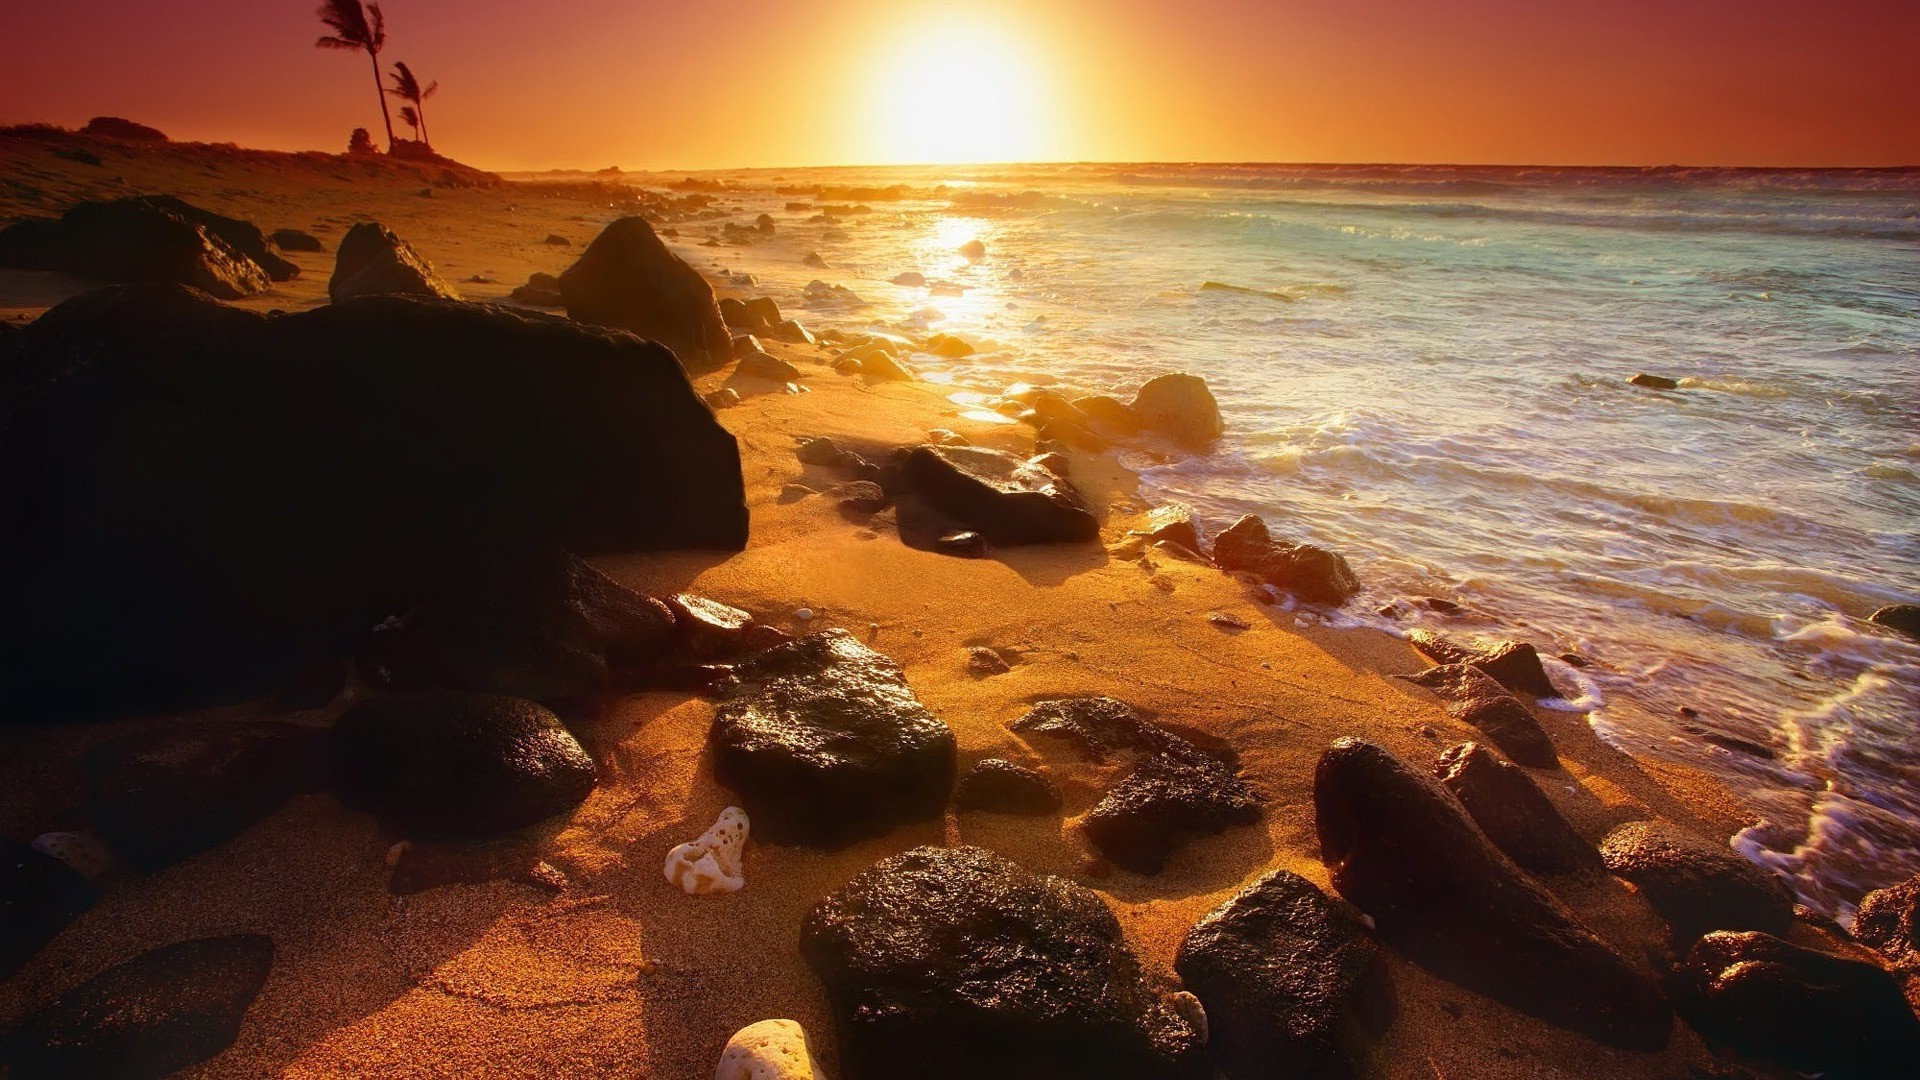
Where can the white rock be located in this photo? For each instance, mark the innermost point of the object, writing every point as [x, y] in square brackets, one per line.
[82, 851]
[712, 863]
[1190, 1010]
[769, 1050]
[804, 614]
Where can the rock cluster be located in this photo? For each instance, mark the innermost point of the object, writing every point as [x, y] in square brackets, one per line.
[154, 239]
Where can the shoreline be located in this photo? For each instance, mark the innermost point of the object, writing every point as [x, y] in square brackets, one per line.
[619, 972]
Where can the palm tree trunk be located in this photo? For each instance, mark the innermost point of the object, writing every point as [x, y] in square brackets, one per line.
[420, 107]
[380, 90]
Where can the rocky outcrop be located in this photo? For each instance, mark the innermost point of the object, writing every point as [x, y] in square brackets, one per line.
[1513, 664]
[999, 786]
[39, 896]
[955, 964]
[769, 1050]
[1473, 697]
[189, 453]
[1293, 983]
[627, 278]
[150, 1017]
[1180, 407]
[146, 239]
[1515, 814]
[1812, 1012]
[372, 261]
[825, 743]
[452, 765]
[1311, 573]
[1696, 886]
[1405, 852]
[999, 496]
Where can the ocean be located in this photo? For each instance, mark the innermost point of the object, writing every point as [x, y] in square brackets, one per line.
[1426, 368]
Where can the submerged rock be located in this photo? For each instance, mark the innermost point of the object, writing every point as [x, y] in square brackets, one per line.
[999, 786]
[39, 896]
[372, 261]
[826, 743]
[1293, 983]
[956, 964]
[1513, 812]
[627, 278]
[769, 1050]
[1513, 664]
[445, 765]
[150, 1017]
[999, 496]
[1473, 697]
[385, 446]
[1180, 407]
[1810, 1011]
[153, 239]
[1311, 573]
[1904, 618]
[1654, 382]
[711, 863]
[1405, 852]
[1696, 886]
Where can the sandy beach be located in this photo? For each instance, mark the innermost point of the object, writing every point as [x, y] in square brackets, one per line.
[565, 952]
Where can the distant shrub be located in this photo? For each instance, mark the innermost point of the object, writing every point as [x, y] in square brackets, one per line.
[114, 127]
[361, 143]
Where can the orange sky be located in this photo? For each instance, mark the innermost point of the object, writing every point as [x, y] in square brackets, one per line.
[588, 83]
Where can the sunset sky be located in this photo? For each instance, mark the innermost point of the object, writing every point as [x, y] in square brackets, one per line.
[588, 83]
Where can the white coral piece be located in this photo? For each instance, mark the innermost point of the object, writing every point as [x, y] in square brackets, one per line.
[712, 863]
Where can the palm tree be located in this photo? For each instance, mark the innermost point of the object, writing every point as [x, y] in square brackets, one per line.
[407, 88]
[357, 25]
[411, 118]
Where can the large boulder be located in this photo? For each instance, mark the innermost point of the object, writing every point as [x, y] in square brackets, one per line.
[1514, 813]
[956, 963]
[1696, 886]
[1513, 664]
[1813, 1012]
[1311, 573]
[1473, 697]
[372, 261]
[142, 239]
[1180, 407]
[39, 896]
[627, 278]
[826, 744]
[188, 455]
[1293, 983]
[457, 765]
[150, 1017]
[162, 795]
[1405, 852]
[1005, 499]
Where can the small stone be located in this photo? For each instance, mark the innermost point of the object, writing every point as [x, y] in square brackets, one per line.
[1654, 382]
[803, 614]
[84, 852]
[966, 545]
[769, 1050]
[999, 786]
[724, 398]
[1228, 622]
[982, 662]
[709, 628]
[712, 862]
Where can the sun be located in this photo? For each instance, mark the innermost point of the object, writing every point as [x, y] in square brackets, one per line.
[959, 92]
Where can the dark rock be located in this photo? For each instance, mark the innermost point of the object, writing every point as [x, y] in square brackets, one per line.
[39, 896]
[1098, 727]
[548, 628]
[789, 331]
[763, 310]
[458, 764]
[1904, 618]
[163, 795]
[242, 236]
[1443, 606]
[964, 545]
[1109, 414]
[1513, 664]
[826, 744]
[541, 290]
[956, 964]
[1180, 407]
[143, 239]
[1172, 524]
[556, 240]
[711, 630]
[1057, 464]
[1888, 921]
[911, 279]
[372, 261]
[189, 454]
[114, 127]
[1654, 382]
[1473, 697]
[764, 223]
[1311, 573]
[999, 496]
[314, 684]
[1001, 787]
[1810, 1011]
[1293, 983]
[760, 365]
[628, 279]
[1516, 815]
[734, 313]
[295, 240]
[827, 453]
[152, 1016]
[1696, 886]
[813, 259]
[859, 498]
[983, 662]
[745, 345]
[1404, 851]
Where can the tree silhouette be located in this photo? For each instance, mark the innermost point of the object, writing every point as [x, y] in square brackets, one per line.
[358, 25]
[412, 119]
[408, 89]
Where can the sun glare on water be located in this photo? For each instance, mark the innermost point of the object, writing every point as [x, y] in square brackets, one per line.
[959, 93]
